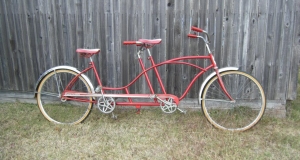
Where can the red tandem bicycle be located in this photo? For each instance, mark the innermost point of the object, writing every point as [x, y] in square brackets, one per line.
[230, 99]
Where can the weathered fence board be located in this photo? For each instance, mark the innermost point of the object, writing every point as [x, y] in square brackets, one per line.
[260, 37]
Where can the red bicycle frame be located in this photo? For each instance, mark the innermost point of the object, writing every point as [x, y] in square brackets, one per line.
[145, 45]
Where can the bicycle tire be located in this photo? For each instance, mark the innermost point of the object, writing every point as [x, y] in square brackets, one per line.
[56, 109]
[247, 109]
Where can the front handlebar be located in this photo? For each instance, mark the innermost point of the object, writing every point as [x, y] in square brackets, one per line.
[196, 29]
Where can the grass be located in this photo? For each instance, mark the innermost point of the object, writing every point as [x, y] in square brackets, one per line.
[26, 134]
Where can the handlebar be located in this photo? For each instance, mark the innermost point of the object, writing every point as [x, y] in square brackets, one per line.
[196, 29]
[192, 36]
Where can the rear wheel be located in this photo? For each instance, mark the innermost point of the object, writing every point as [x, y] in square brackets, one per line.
[56, 109]
[241, 114]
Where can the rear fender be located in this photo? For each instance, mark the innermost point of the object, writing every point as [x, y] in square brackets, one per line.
[58, 68]
[225, 69]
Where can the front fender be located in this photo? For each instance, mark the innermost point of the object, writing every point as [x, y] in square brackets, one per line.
[62, 67]
[225, 69]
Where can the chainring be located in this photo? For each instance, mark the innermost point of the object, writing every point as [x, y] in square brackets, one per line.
[168, 106]
[106, 104]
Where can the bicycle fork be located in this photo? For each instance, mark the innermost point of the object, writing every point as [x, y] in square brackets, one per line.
[221, 83]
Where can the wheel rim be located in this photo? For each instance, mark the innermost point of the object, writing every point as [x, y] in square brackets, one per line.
[240, 115]
[59, 110]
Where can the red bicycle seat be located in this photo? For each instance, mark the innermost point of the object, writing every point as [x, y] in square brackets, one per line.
[150, 41]
[87, 52]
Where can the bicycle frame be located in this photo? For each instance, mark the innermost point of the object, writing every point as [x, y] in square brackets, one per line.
[66, 86]
[145, 45]
[70, 95]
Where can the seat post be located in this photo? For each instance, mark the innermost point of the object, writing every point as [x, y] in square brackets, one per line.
[149, 53]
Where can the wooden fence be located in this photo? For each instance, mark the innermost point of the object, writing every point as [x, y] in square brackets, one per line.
[262, 37]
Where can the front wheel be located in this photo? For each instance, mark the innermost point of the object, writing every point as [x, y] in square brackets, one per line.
[54, 107]
[241, 114]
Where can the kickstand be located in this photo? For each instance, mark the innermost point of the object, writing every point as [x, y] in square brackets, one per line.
[138, 111]
[113, 116]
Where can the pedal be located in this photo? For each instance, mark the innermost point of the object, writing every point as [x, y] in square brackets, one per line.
[167, 106]
[181, 110]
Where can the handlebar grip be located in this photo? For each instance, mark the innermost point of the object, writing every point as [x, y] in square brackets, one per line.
[129, 42]
[196, 29]
[192, 36]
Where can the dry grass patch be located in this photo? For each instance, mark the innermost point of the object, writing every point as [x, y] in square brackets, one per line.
[25, 134]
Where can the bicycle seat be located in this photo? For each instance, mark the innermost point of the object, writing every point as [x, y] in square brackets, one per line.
[87, 53]
[150, 41]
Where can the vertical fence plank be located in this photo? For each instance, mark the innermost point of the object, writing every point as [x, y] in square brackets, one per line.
[270, 59]
[287, 46]
[15, 33]
[261, 40]
[283, 52]
[4, 58]
[177, 48]
[10, 47]
[171, 72]
[294, 69]
[246, 34]
[250, 65]
[34, 59]
[162, 27]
